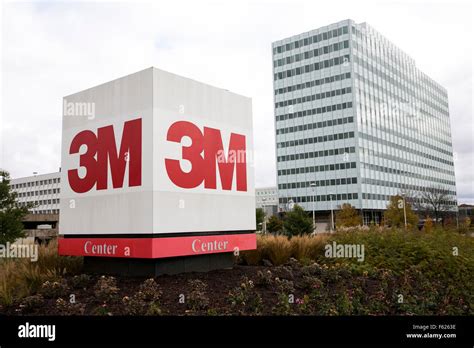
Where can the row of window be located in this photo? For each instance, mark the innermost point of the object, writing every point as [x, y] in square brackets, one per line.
[310, 40]
[316, 125]
[264, 193]
[368, 113]
[319, 183]
[312, 53]
[320, 139]
[407, 149]
[380, 197]
[36, 183]
[42, 202]
[387, 169]
[38, 193]
[378, 182]
[404, 148]
[316, 169]
[320, 198]
[47, 211]
[315, 154]
[418, 164]
[313, 97]
[321, 110]
[309, 84]
[345, 59]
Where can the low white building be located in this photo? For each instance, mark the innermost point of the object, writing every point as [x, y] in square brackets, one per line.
[42, 190]
[267, 198]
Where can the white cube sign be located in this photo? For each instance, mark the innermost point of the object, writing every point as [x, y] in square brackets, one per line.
[156, 165]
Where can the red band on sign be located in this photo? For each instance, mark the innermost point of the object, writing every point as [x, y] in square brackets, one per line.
[151, 248]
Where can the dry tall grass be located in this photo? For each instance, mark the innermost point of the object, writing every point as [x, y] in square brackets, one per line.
[279, 249]
[22, 277]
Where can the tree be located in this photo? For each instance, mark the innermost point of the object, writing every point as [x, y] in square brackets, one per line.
[297, 222]
[394, 215]
[348, 216]
[11, 212]
[260, 215]
[274, 224]
[434, 201]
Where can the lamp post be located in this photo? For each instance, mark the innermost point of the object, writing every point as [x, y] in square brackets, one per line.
[313, 185]
[404, 210]
[264, 227]
[332, 218]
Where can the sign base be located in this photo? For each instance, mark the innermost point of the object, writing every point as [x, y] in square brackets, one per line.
[131, 267]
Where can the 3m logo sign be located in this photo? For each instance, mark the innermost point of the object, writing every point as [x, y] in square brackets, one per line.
[207, 156]
[101, 152]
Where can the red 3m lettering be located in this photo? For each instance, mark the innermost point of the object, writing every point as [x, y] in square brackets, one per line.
[204, 152]
[236, 157]
[87, 160]
[192, 153]
[105, 147]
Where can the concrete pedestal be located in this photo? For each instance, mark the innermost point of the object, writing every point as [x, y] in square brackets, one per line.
[156, 267]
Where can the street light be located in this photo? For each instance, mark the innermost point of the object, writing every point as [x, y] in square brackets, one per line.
[313, 185]
[404, 210]
[332, 218]
[264, 227]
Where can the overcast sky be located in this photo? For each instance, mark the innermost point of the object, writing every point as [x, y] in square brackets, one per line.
[53, 49]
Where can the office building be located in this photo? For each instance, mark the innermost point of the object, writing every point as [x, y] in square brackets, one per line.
[356, 121]
[41, 190]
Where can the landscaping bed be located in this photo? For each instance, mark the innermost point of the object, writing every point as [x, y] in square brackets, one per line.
[403, 273]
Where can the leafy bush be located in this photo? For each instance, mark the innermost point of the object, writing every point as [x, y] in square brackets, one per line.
[285, 289]
[297, 222]
[197, 298]
[54, 289]
[245, 298]
[106, 290]
[348, 216]
[395, 214]
[80, 281]
[30, 303]
[64, 307]
[274, 224]
[145, 301]
[264, 278]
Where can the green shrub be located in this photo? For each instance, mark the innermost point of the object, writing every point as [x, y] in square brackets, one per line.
[297, 222]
